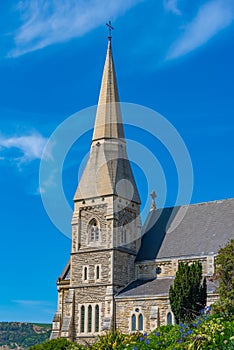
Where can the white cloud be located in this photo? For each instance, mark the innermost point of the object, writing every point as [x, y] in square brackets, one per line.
[211, 18]
[172, 6]
[31, 146]
[48, 22]
[32, 302]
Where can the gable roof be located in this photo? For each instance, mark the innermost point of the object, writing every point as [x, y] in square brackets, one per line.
[204, 228]
[65, 275]
[155, 287]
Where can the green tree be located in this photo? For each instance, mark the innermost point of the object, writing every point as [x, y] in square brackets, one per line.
[188, 294]
[224, 273]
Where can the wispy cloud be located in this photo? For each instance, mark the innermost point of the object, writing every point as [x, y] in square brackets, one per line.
[32, 303]
[172, 6]
[29, 146]
[211, 18]
[48, 22]
[48, 183]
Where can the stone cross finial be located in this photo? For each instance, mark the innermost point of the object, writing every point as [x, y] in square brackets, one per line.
[110, 28]
[153, 196]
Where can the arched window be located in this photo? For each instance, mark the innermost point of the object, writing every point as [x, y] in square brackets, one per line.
[169, 318]
[96, 318]
[133, 322]
[94, 230]
[97, 272]
[140, 323]
[124, 232]
[82, 318]
[85, 273]
[89, 319]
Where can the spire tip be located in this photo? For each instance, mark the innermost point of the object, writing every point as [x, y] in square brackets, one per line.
[110, 28]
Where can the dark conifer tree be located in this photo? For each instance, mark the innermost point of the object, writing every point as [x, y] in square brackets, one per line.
[224, 274]
[188, 294]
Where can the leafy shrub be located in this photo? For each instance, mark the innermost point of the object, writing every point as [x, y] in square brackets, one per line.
[205, 332]
[56, 344]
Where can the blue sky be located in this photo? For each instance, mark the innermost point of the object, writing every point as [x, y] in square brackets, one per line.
[174, 56]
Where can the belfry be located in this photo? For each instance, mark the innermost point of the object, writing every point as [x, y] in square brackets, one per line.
[118, 275]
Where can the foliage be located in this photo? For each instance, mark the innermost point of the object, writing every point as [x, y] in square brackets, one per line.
[57, 344]
[188, 295]
[109, 341]
[21, 334]
[205, 332]
[115, 340]
[225, 275]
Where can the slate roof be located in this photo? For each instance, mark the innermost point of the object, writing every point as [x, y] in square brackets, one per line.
[203, 230]
[155, 287]
[147, 288]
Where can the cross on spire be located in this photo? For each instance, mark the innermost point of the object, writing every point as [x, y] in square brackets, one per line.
[110, 28]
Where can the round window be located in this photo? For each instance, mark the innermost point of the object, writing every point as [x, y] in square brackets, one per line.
[158, 270]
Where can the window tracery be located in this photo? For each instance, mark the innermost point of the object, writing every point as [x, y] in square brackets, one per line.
[94, 230]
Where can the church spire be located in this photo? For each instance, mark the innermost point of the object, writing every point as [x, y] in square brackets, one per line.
[108, 124]
[108, 171]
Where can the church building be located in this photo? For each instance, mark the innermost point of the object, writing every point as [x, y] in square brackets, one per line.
[119, 273]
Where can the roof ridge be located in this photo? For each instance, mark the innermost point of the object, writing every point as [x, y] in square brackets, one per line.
[194, 204]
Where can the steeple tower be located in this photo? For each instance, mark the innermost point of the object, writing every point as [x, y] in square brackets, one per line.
[106, 226]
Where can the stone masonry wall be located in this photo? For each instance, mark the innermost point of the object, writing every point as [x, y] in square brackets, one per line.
[154, 312]
[91, 260]
[124, 268]
[88, 296]
[167, 268]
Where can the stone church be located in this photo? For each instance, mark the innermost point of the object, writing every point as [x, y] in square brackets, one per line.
[119, 273]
